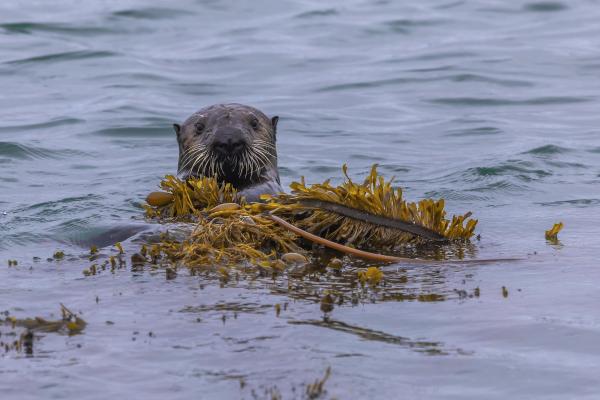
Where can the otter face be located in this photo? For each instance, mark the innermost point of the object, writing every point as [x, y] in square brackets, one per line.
[231, 142]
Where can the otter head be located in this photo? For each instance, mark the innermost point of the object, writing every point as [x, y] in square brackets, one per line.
[231, 142]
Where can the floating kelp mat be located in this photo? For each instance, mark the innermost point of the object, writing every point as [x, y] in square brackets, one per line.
[207, 229]
[230, 233]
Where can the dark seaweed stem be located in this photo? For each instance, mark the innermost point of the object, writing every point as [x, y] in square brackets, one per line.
[374, 256]
[344, 249]
[375, 219]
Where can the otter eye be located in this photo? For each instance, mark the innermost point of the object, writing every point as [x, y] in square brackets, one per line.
[254, 122]
[199, 128]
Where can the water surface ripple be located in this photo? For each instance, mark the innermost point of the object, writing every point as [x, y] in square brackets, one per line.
[492, 105]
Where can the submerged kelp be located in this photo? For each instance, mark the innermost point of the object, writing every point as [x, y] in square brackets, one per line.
[70, 324]
[228, 231]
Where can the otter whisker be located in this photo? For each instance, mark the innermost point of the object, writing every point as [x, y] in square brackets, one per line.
[185, 158]
[248, 164]
[221, 169]
[270, 150]
[203, 166]
[264, 151]
[260, 152]
[194, 148]
[248, 157]
[203, 159]
[256, 166]
[262, 157]
[212, 167]
[239, 164]
[185, 167]
[189, 159]
[194, 164]
[255, 170]
[190, 154]
[216, 166]
[259, 143]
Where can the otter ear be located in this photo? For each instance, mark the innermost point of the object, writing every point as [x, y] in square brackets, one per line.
[274, 122]
[177, 128]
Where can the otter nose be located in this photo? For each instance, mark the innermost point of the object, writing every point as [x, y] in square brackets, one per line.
[228, 143]
[228, 146]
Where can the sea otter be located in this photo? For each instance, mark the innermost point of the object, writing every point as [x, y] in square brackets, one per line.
[234, 143]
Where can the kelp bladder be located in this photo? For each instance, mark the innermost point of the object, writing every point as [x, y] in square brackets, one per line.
[368, 215]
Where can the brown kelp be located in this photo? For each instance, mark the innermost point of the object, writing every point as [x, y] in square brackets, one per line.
[29, 328]
[230, 237]
[183, 200]
[364, 215]
[552, 233]
[228, 231]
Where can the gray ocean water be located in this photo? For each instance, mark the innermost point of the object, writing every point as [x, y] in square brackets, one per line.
[492, 105]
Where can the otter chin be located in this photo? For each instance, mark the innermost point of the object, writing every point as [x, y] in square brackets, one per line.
[232, 143]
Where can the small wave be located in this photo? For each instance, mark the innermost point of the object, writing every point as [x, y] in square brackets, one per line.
[405, 26]
[573, 202]
[21, 239]
[547, 150]
[486, 79]
[317, 13]
[132, 78]
[456, 195]
[434, 56]
[135, 131]
[154, 13]
[503, 185]
[408, 80]
[197, 89]
[18, 151]
[31, 27]
[449, 5]
[50, 207]
[545, 6]
[510, 176]
[372, 84]
[13, 150]
[394, 168]
[486, 101]
[565, 164]
[64, 56]
[142, 113]
[7, 179]
[72, 225]
[477, 131]
[523, 171]
[42, 125]
[429, 69]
